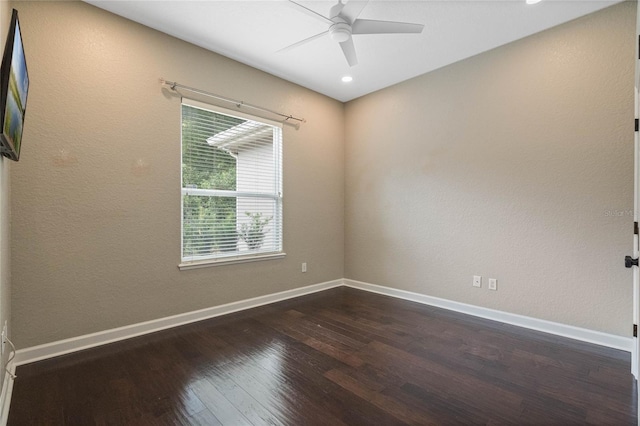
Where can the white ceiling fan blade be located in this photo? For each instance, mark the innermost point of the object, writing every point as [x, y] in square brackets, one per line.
[336, 9]
[301, 42]
[349, 51]
[369, 26]
[352, 9]
[310, 12]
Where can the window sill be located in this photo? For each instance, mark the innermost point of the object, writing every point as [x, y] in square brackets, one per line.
[231, 261]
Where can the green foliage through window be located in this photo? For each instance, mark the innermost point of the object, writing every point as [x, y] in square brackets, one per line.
[253, 233]
[209, 223]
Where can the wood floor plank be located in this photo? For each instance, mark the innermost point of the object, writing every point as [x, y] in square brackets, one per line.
[216, 402]
[387, 403]
[338, 357]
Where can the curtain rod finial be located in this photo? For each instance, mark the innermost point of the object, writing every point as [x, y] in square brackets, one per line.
[169, 84]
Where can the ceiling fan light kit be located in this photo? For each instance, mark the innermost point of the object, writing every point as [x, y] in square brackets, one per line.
[340, 31]
[344, 23]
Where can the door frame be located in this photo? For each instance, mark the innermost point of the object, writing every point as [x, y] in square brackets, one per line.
[635, 349]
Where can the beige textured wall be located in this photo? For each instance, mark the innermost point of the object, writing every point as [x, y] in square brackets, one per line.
[513, 164]
[96, 194]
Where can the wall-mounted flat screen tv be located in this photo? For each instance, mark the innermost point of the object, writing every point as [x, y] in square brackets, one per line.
[14, 85]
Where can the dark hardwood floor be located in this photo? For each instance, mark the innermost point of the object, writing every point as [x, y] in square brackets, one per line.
[340, 357]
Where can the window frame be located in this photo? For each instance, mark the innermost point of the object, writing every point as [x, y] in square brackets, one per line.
[190, 262]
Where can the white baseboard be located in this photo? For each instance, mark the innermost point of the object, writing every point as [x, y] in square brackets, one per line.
[5, 396]
[577, 333]
[61, 347]
[74, 344]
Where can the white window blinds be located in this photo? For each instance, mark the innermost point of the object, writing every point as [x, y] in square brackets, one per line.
[231, 185]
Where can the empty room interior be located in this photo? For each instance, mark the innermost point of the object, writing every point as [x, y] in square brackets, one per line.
[316, 212]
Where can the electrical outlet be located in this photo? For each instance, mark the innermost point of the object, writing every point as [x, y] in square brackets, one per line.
[477, 281]
[493, 284]
[304, 267]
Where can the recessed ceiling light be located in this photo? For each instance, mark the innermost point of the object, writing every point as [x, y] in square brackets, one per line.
[533, 1]
[347, 79]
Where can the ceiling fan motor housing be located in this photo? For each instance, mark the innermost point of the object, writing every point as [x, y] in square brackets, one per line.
[340, 31]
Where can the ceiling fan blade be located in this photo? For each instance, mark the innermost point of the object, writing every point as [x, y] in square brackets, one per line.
[301, 42]
[352, 9]
[369, 26]
[310, 12]
[336, 9]
[349, 51]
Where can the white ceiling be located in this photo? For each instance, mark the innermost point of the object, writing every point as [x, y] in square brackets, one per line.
[252, 32]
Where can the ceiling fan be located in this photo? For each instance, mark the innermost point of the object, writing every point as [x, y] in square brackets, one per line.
[343, 23]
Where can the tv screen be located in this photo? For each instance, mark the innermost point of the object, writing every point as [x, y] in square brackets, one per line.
[14, 85]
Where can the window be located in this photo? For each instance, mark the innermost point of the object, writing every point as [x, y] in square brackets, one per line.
[231, 186]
